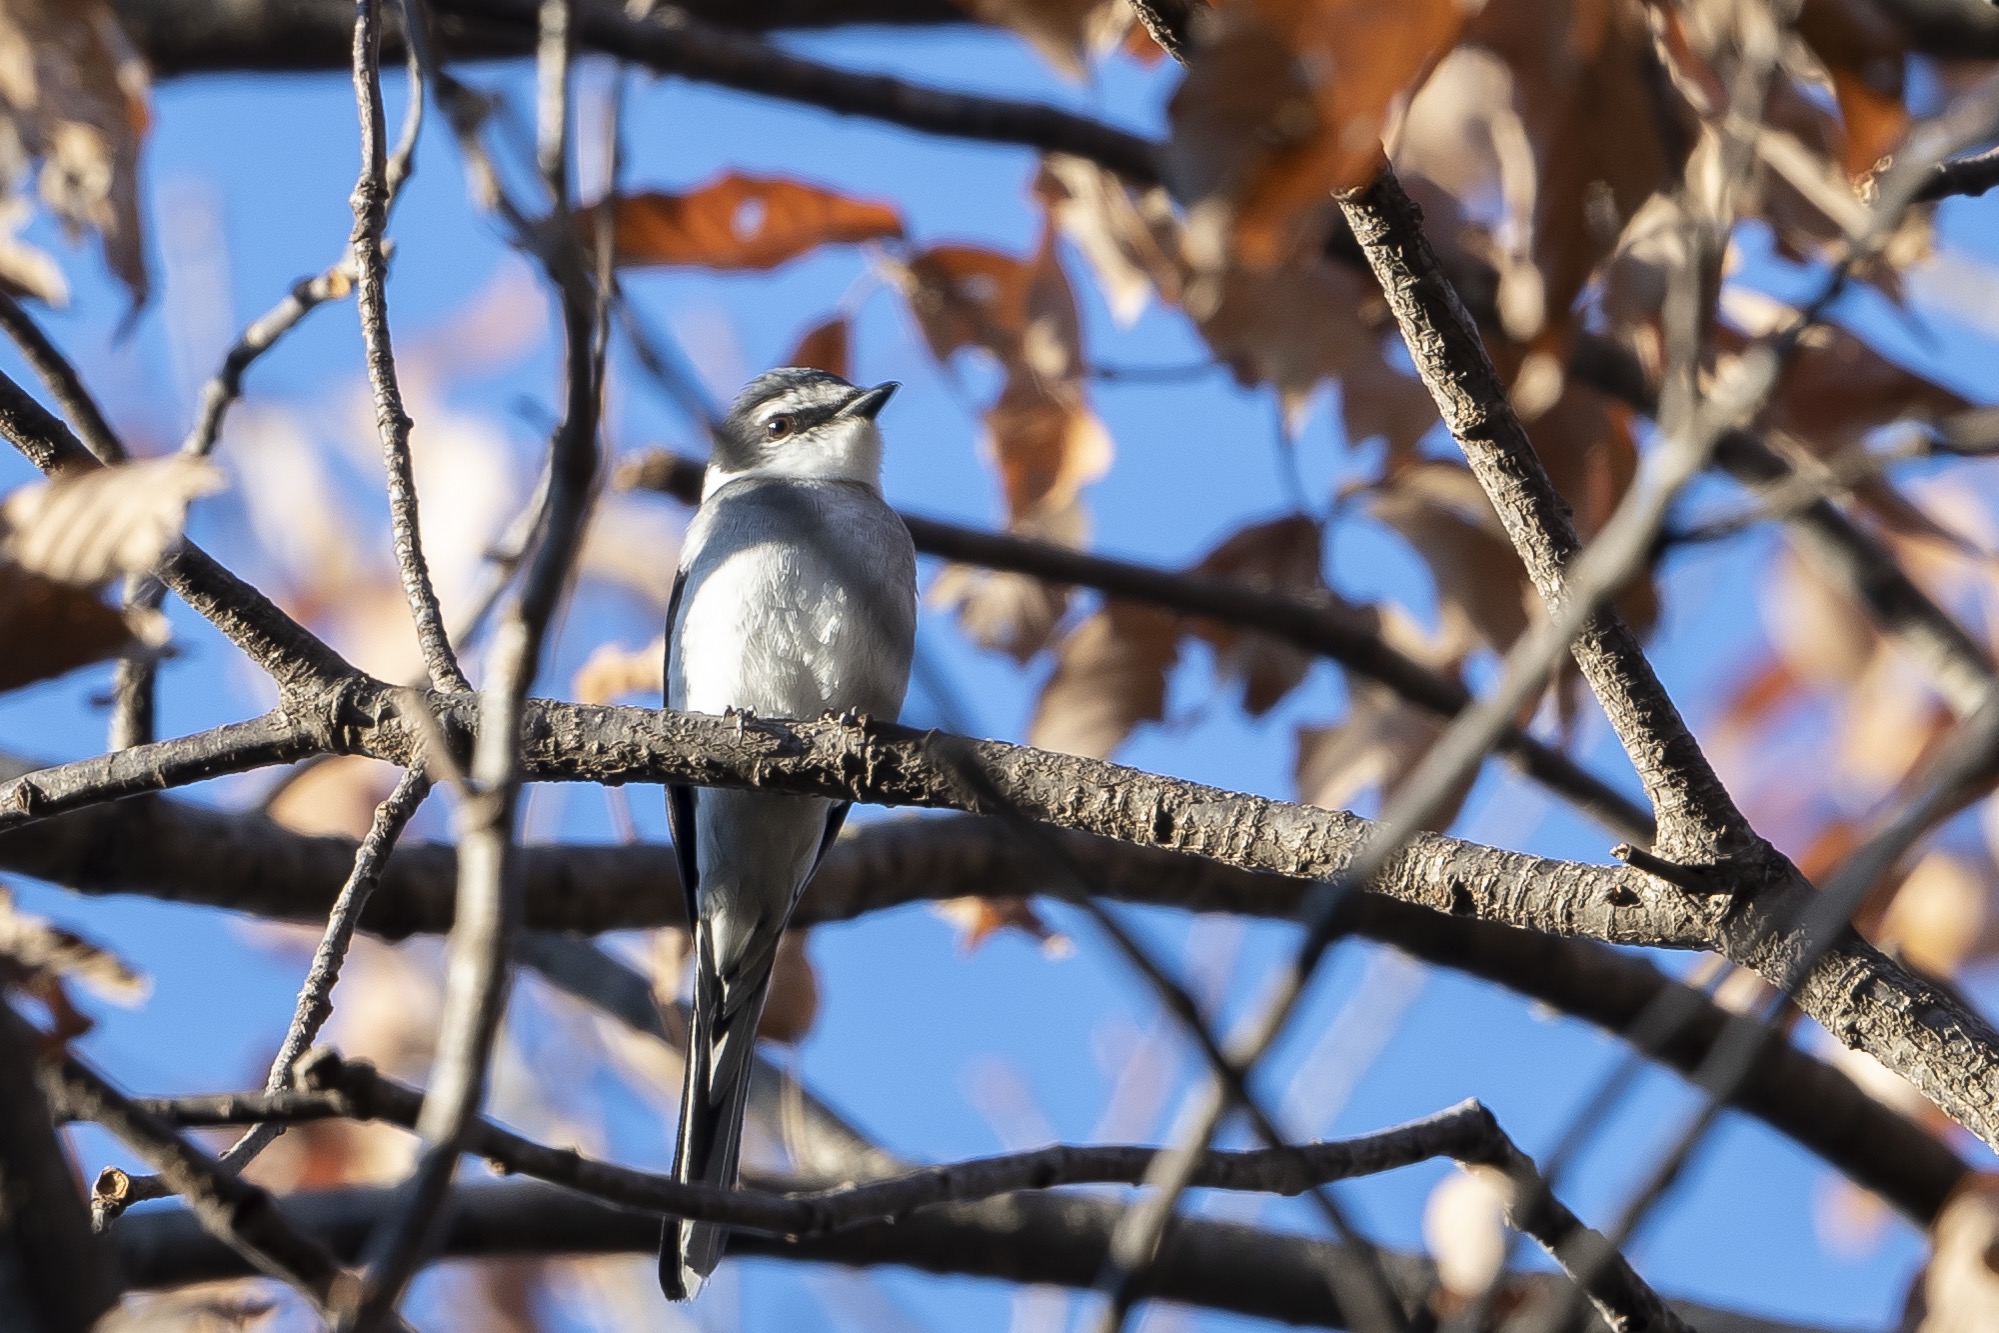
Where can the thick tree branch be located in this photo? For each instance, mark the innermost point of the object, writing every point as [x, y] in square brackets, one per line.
[1698, 821]
[182, 37]
[54, 1277]
[184, 853]
[1316, 627]
[1918, 1030]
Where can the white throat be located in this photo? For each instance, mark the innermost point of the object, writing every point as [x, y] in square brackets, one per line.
[843, 449]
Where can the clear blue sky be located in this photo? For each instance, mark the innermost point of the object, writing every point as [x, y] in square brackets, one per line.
[917, 1041]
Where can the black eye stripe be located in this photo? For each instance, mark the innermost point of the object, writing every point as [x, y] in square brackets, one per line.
[801, 418]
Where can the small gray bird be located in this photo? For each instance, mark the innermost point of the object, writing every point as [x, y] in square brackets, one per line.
[796, 596]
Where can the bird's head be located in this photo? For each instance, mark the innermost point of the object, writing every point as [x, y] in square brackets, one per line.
[802, 425]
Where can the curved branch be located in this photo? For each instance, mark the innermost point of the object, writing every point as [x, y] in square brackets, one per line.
[1055, 1240]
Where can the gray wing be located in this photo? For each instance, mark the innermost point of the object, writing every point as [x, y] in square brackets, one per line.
[680, 797]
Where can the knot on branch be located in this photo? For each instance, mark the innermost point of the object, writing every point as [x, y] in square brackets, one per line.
[341, 715]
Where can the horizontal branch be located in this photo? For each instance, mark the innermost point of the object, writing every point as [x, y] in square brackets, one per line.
[179, 852]
[1467, 1133]
[1057, 1240]
[181, 37]
[231, 1210]
[683, 45]
[233, 748]
[1317, 627]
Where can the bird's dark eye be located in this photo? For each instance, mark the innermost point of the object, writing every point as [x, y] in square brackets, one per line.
[780, 426]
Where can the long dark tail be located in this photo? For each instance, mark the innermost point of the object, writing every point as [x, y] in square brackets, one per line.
[713, 1098]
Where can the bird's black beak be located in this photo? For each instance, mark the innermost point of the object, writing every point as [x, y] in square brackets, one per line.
[869, 401]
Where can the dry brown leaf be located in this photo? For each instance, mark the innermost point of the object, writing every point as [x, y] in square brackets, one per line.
[978, 918]
[1374, 747]
[336, 797]
[1132, 242]
[1063, 32]
[1047, 445]
[1942, 915]
[1482, 590]
[826, 347]
[613, 671]
[48, 629]
[1299, 325]
[1010, 613]
[1287, 103]
[73, 98]
[1818, 632]
[27, 270]
[1552, 111]
[89, 527]
[1958, 1291]
[35, 952]
[740, 222]
[794, 992]
[1110, 675]
[1013, 613]
[1863, 52]
[1280, 556]
[965, 296]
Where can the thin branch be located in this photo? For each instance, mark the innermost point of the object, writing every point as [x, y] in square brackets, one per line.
[1316, 626]
[1467, 1133]
[64, 384]
[241, 1215]
[293, 656]
[371, 205]
[1698, 822]
[315, 997]
[681, 44]
[1963, 176]
[1055, 1239]
[488, 898]
[274, 738]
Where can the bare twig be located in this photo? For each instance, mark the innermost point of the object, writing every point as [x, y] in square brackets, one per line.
[1962, 176]
[239, 1214]
[274, 738]
[371, 202]
[315, 997]
[488, 899]
[63, 382]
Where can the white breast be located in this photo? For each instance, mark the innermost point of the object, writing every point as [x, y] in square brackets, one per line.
[791, 606]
